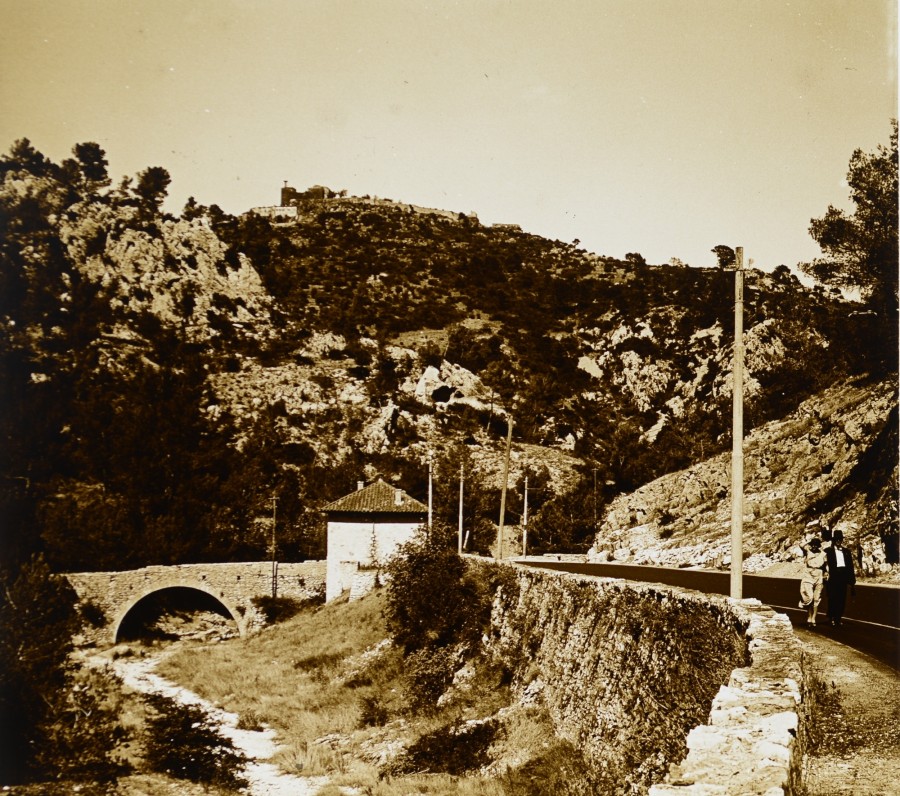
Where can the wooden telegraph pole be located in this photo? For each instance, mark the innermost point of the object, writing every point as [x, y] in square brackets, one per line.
[525, 521]
[460, 540]
[505, 481]
[737, 447]
[274, 570]
[430, 493]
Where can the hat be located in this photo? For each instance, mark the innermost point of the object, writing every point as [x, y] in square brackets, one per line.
[838, 536]
[815, 542]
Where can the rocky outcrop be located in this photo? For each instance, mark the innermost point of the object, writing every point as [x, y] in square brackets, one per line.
[802, 474]
[177, 271]
[314, 396]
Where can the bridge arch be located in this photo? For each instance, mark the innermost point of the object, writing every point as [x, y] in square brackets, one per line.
[233, 611]
[234, 586]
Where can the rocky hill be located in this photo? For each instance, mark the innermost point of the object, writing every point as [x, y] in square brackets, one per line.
[829, 465]
[166, 377]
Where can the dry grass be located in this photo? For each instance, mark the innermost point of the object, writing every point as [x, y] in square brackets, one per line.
[413, 785]
[309, 679]
[289, 676]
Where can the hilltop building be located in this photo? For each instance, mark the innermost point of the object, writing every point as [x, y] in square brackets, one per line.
[365, 528]
[291, 197]
[294, 203]
[277, 212]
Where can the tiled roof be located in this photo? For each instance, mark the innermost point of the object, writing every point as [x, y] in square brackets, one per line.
[377, 498]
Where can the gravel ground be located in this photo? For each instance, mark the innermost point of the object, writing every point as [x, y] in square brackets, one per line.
[857, 735]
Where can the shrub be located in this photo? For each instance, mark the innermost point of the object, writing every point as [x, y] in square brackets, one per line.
[250, 720]
[93, 614]
[451, 749]
[429, 673]
[373, 712]
[320, 661]
[80, 743]
[183, 743]
[433, 600]
[37, 620]
[560, 771]
[277, 609]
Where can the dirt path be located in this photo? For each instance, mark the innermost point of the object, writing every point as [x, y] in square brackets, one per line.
[264, 778]
[857, 722]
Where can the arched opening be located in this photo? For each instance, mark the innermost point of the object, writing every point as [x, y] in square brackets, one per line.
[177, 612]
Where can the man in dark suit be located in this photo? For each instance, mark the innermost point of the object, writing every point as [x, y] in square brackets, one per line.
[840, 576]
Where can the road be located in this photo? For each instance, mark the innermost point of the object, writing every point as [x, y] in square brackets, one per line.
[871, 621]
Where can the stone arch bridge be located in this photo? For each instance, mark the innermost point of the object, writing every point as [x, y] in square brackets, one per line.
[233, 586]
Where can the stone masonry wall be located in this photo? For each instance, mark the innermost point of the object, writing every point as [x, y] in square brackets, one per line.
[754, 738]
[631, 672]
[233, 585]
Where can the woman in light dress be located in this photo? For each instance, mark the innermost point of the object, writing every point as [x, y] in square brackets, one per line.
[812, 581]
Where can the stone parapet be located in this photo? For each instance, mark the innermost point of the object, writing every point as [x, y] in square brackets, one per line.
[753, 740]
[664, 690]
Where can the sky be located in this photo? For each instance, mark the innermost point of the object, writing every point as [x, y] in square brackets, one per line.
[663, 127]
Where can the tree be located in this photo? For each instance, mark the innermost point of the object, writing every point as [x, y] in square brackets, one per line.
[431, 601]
[152, 186]
[860, 248]
[22, 155]
[37, 620]
[192, 209]
[635, 258]
[479, 500]
[724, 255]
[183, 743]
[565, 522]
[93, 162]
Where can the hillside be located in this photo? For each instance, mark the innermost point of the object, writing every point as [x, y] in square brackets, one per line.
[166, 377]
[831, 464]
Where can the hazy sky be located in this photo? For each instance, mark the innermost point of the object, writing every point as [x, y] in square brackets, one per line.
[658, 126]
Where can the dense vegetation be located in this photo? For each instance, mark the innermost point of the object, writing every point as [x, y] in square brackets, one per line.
[55, 721]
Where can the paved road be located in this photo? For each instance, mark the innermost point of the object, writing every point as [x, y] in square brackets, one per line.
[871, 621]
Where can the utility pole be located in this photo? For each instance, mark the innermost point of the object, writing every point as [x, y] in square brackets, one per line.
[460, 540]
[429, 493]
[737, 434]
[274, 569]
[525, 522]
[509, 428]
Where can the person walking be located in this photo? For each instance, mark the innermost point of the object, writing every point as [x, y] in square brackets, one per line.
[812, 580]
[840, 575]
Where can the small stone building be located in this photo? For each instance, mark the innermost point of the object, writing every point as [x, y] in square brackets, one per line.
[364, 529]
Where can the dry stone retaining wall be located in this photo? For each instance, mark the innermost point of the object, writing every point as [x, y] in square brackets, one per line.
[635, 677]
[233, 585]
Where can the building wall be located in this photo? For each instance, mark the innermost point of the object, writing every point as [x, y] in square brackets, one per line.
[355, 544]
[274, 211]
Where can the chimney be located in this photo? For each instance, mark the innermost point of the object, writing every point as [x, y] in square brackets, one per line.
[360, 485]
[398, 497]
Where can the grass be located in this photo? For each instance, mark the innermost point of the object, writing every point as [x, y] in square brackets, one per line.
[289, 676]
[826, 720]
[338, 695]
